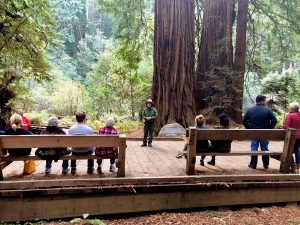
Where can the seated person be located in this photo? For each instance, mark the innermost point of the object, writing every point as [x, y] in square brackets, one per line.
[108, 152]
[220, 145]
[16, 122]
[51, 153]
[25, 122]
[81, 129]
[202, 145]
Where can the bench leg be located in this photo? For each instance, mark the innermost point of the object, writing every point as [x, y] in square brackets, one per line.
[288, 150]
[191, 152]
[121, 159]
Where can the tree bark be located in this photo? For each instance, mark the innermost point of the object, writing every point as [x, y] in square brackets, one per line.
[215, 88]
[240, 56]
[174, 45]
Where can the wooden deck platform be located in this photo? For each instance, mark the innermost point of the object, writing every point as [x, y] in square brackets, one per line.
[154, 162]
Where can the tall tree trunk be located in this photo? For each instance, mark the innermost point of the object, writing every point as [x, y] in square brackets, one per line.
[174, 43]
[215, 62]
[240, 56]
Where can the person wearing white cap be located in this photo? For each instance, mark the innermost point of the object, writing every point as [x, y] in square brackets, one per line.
[108, 152]
[149, 116]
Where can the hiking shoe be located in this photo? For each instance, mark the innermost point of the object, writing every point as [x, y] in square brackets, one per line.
[179, 155]
[252, 167]
[47, 171]
[212, 163]
[202, 162]
[73, 171]
[150, 145]
[266, 167]
[65, 170]
[99, 170]
[90, 170]
[143, 145]
[112, 168]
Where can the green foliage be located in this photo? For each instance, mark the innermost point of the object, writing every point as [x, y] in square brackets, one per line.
[272, 46]
[26, 29]
[128, 126]
[283, 88]
[38, 118]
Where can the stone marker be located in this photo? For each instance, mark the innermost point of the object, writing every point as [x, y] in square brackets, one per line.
[172, 130]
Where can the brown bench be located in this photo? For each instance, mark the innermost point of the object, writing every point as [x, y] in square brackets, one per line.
[285, 156]
[57, 141]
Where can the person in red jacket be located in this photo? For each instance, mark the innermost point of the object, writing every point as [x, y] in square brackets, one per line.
[25, 122]
[292, 120]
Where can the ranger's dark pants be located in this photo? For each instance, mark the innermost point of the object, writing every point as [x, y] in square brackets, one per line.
[148, 131]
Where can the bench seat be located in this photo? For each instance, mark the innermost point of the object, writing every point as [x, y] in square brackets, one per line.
[240, 153]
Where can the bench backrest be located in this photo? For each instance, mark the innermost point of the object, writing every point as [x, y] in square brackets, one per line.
[54, 141]
[288, 136]
[239, 134]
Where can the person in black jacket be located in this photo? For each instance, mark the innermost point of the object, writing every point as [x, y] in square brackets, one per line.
[2, 124]
[259, 117]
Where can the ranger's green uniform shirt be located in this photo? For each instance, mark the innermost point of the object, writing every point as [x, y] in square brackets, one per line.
[149, 112]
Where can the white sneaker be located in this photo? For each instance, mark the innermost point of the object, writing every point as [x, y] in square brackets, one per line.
[112, 168]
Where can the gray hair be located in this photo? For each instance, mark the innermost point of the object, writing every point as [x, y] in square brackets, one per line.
[110, 122]
[53, 122]
[294, 106]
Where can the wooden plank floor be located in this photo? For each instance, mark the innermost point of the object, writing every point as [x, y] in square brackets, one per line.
[151, 162]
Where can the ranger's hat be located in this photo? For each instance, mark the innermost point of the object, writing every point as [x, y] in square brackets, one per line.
[150, 101]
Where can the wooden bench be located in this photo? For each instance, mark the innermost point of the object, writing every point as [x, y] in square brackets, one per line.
[285, 156]
[57, 141]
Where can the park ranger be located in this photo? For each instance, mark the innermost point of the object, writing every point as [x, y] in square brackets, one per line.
[149, 116]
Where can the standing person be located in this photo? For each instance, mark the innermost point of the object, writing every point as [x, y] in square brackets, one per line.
[259, 117]
[81, 129]
[25, 122]
[149, 116]
[50, 153]
[3, 124]
[292, 120]
[108, 152]
[17, 129]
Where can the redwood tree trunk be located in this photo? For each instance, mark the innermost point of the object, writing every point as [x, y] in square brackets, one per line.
[215, 88]
[174, 43]
[240, 56]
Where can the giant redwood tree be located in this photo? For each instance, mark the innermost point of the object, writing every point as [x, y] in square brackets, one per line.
[174, 41]
[220, 76]
[215, 61]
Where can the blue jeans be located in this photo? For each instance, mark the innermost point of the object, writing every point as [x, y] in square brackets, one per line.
[264, 147]
[297, 151]
[49, 164]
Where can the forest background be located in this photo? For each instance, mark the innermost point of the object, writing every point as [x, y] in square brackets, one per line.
[58, 57]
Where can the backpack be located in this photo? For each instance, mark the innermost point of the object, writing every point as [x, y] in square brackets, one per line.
[52, 153]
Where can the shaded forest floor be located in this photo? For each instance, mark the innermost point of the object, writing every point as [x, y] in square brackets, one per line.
[289, 215]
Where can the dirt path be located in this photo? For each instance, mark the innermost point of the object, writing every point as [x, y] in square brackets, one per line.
[289, 215]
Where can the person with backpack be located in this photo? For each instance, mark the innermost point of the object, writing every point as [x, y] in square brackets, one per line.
[51, 154]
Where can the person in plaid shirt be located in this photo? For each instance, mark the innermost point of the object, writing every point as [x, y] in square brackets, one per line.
[108, 152]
